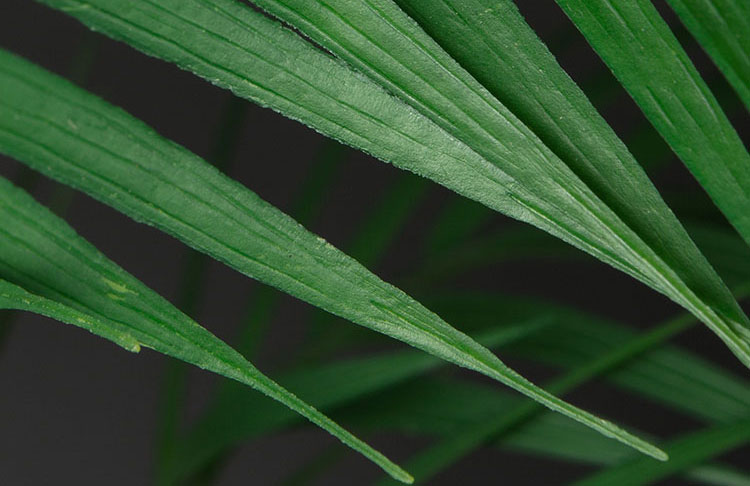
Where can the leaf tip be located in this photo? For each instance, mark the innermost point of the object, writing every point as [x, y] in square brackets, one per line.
[660, 455]
[403, 476]
[652, 451]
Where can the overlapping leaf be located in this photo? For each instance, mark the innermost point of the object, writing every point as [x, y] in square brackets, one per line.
[547, 435]
[568, 339]
[723, 30]
[452, 130]
[14, 297]
[669, 376]
[610, 193]
[237, 416]
[639, 48]
[438, 457]
[48, 269]
[82, 141]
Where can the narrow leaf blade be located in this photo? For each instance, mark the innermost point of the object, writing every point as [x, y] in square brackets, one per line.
[328, 386]
[637, 45]
[452, 130]
[14, 297]
[82, 141]
[69, 279]
[723, 30]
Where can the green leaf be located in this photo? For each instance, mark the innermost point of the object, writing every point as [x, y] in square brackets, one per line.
[14, 297]
[686, 451]
[587, 346]
[492, 41]
[367, 245]
[639, 48]
[404, 410]
[465, 139]
[238, 416]
[723, 30]
[670, 376]
[80, 140]
[47, 268]
[436, 458]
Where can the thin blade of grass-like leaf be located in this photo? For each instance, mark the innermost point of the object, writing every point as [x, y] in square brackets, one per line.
[678, 379]
[370, 241]
[484, 153]
[403, 410]
[575, 344]
[723, 29]
[672, 377]
[367, 245]
[42, 255]
[492, 41]
[328, 386]
[15, 298]
[637, 45]
[79, 139]
[305, 208]
[463, 216]
[445, 453]
[669, 376]
[687, 451]
[610, 198]
[62, 196]
[725, 247]
[264, 301]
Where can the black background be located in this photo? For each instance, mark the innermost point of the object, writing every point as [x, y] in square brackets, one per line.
[77, 410]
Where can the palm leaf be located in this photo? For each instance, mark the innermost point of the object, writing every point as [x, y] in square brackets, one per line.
[464, 138]
[14, 297]
[642, 52]
[547, 435]
[567, 339]
[428, 463]
[237, 416]
[75, 137]
[723, 30]
[670, 376]
[48, 269]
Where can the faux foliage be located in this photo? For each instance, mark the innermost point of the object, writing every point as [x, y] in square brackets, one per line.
[461, 93]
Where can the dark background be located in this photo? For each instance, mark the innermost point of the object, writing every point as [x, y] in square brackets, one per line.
[77, 410]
